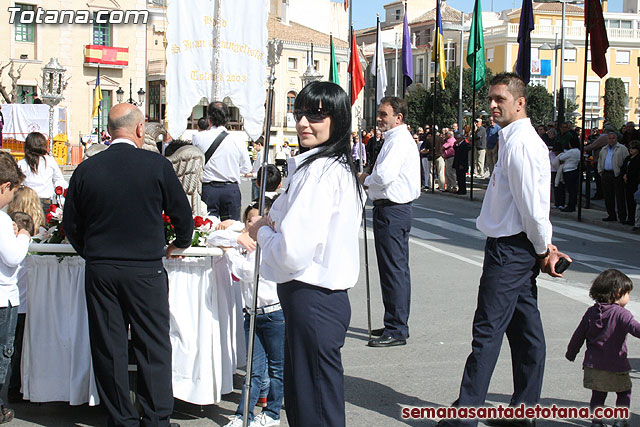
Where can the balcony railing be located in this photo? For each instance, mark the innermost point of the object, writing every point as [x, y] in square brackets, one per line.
[571, 31]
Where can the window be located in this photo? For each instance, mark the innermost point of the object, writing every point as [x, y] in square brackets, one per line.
[570, 55]
[101, 32]
[291, 99]
[569, 91]
[316, 65]
[593, 94]
[156, 101]
[25, 94]
[25, 32]
[622, 56]
[450, 55]
[100, 121]
[618, 23]
[292, 63]
[546, 21]
[490, 54]
[398, 14]
[419, 69]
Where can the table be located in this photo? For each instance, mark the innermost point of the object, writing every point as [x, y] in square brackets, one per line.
[207, 334]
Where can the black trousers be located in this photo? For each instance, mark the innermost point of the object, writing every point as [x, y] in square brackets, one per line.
[391, 227]
[119, 296]
[461, 176]
[629, 190]
[507, 303]
[316, 321]
[613, 189]
[571, 182]
[222, 199]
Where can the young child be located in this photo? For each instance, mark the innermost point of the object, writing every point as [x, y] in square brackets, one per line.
[13, 250]
[268, 354]
[274, 181]
[26, 211]
[604, 327]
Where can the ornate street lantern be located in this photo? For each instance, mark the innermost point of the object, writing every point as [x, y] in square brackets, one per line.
[52, 86]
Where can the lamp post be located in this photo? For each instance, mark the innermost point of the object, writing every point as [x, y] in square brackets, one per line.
[555, 48]
[52, 87]
[141, 93]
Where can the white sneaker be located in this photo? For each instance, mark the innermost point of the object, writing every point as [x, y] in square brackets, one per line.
[234, 421]
[264, 420]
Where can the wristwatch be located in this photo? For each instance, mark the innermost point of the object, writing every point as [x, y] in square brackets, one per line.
[544, 255]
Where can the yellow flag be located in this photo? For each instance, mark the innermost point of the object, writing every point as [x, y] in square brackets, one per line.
[97, 96]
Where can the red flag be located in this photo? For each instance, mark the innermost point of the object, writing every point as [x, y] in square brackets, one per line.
[346, 5]
[598, 32]
[357, 76]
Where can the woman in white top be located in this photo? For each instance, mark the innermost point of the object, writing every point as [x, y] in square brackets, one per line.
[570, 160]
[309, 244]
[42, 171]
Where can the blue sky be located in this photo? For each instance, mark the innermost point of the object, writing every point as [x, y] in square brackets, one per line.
[364, 11]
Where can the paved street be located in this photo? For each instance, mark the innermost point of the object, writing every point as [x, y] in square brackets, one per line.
[446, 259]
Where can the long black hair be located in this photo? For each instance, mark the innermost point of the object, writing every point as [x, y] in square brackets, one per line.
[35, 146]
[335, 104]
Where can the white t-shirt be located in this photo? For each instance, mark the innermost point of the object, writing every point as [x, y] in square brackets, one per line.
[46, 179]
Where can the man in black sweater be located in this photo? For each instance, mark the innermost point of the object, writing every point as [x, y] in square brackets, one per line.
[113, 218]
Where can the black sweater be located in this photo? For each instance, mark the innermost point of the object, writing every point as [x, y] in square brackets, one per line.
[114, 206]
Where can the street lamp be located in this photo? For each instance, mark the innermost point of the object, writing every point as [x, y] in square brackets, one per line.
[555, 48]
[120, 95]
[141, 93]
[52, 87]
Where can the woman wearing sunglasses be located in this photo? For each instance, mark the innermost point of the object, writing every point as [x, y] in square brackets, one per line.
[309, 244]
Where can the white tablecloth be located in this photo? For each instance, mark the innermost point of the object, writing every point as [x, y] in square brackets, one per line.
[207, 336]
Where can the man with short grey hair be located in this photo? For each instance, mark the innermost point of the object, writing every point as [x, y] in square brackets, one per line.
[480, 148]
[610, 163]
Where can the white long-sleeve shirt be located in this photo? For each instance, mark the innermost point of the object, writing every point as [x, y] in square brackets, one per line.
[518, 195]
[13, 250]
[396, 174]
[242, 268]
[569, 159]
[229, 161]
[316, 225]
[46, 179]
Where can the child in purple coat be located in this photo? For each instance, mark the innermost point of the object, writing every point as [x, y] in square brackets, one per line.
[604, 327]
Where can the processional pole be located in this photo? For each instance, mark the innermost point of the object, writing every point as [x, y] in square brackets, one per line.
[273, 58]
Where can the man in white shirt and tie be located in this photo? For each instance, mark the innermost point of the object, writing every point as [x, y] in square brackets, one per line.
[221, 176]
[393, 184]
[515, 218]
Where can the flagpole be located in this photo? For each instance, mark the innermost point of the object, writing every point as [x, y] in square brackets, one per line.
[349, 76]
[584, 111]
[436, 60]
[473, 128]
[274, 49]
[375, 104]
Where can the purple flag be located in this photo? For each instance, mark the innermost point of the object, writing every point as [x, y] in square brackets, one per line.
[523, 66]
[407, 57]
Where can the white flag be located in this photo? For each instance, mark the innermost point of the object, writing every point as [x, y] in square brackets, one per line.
[381, 72]
[193, 35]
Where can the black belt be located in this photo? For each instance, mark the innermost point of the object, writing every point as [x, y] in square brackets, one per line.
[606, 171]
[387, 202]
[219, 183]
[265, 309]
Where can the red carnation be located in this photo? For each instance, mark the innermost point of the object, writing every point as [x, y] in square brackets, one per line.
[53, 208]
[198, 221]
[59, 190]
[49, 217]
[208, 222]
[166, 219]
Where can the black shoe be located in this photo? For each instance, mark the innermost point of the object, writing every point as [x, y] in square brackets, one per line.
[377, 332]
[462, 193]
[386, 341]
[14, 396]
[635, 229]
[610, 219]
[629, 222]
[567, 210]
[174, 425]
[597, 197]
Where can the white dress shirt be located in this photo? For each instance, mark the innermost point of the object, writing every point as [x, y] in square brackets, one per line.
[257, 163]
[316, 224]
[230, 160]
[569, 159]
[396, 174]
[46, 179]
[242, 267]
[517, 198]
[13, 250]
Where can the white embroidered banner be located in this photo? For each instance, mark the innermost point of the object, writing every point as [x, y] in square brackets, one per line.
[240, 36]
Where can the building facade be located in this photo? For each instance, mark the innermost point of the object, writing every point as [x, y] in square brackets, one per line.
[118, 48]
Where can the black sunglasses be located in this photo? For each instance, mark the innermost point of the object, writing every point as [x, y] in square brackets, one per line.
[313, 116]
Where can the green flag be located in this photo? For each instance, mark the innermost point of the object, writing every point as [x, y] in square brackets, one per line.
[475, 51]
[333, 71]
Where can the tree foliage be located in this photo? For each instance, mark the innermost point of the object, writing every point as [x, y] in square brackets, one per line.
[539, 105]
[421, 100]
[614, 101]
